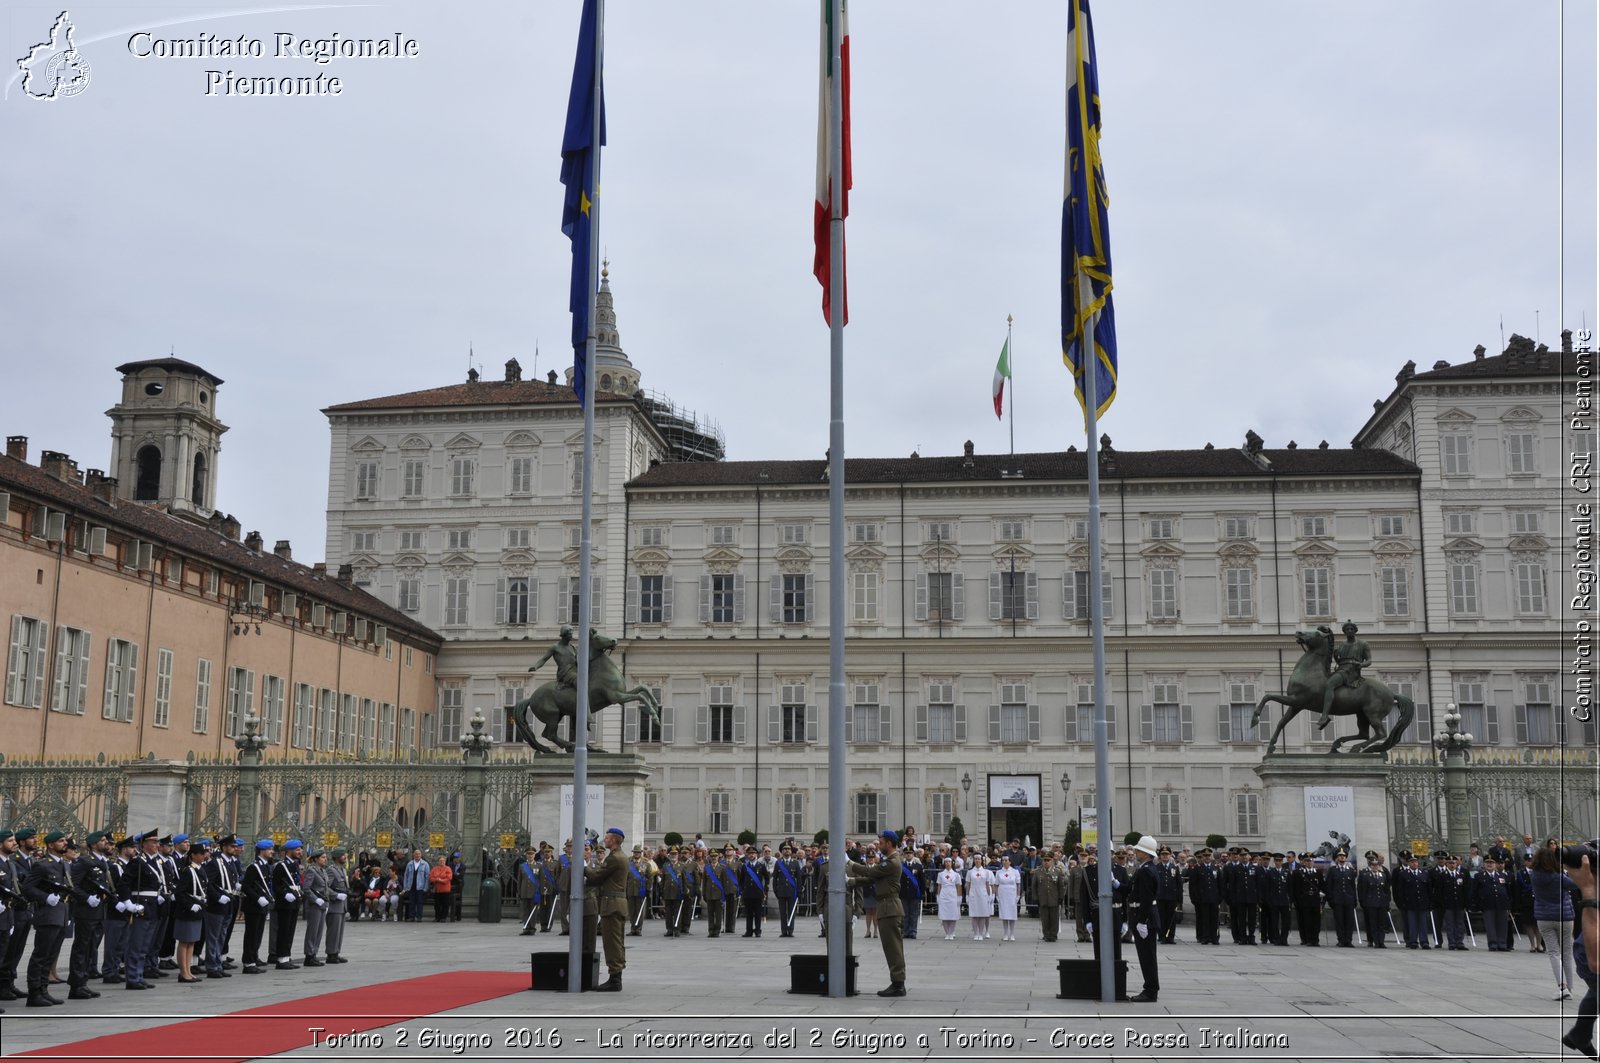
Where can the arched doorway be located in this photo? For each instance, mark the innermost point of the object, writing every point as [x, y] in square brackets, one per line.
[198, 494]
[147, 482]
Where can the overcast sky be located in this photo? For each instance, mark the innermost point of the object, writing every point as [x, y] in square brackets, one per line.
[1303, 197]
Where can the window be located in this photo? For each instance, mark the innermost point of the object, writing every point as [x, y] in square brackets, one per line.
[1419, 731]
[1475, 716]
[1525, 522]
[869, 814]
[302, 728]
[1013, 712]
[272, 708]
[569, 602]
[428, 736]
[518, 538]
[366, 479]
[1247, 813]
[71, 687]
[652, 811]
[463, 472]
[521, 476]
[326, 720]
[721, 812]
[514, 609]
[1237, 725]
[1395, 581]
[408, 596]
[1318, 591]
[408, 725]
[1162, 528]
[794, 809]
[25, 664]
[1536, 720]
[1530, 586]
[411, 480]
[455, 600]
[1077, 606]
[363, 542]
[723, 535]
[941, 810]
[1078, 529]
[939, 531]
[1011, 531]
[724, 602]
[941, 595]
[241, 699]
[1167, 814]
[369, 727]
[941, 714]
[1163, 593]
[1463, 586]
[653, 599]
[386, 728]
[1166, 725]
[458, 539]
[719, 713]
[1391, 525]
[795, 534]
[865, 532]
[1236, 528]
[452, 702]
[163, 715]
[1239, 586]
[864, 597]
[202, 696]
[796, 606]
[1456, 450]
[1459, 523]
[413, 539]
[791, 721]
[122, 680]
[869, 721]
[649, 726]
[1082, 720]
[1315, 527]
[652, 536]
[1522, 453]
[1013, 595]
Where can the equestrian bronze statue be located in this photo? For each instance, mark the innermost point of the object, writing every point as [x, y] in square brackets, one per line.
[1363, 697]
[557, 700]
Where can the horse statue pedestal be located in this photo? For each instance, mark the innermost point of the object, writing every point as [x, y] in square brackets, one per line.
[1309, 794]
[622, 775]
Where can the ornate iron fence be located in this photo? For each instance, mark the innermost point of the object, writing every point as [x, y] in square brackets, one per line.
[77, 795]
[1507, 797]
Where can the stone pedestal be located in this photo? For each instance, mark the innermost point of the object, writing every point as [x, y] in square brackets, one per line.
[156, 796]
[1285, 778]
[622, 774]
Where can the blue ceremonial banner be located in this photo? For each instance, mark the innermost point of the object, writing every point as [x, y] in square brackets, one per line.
[580, 160]
[1085, 239]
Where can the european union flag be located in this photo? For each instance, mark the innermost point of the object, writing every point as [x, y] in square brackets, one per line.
[580, 172]
[1085, 239]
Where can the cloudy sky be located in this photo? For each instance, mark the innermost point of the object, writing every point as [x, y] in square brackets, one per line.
[1303, 197]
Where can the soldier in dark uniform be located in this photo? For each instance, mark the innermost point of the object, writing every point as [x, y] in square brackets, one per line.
[47, 889]
[1206, 896]
[610, 883]
[1339, 886]
[117, 920]
[910, 891]
[884, 879]
[139, 897]
[256, 902]
[228, 853]
[1170, 894]
[1492, 891]
[90, 877]
[1374, 891]
[10, 898]
[1090, 900]
[218, 908]
[1305, 888]
[1414, 900]
[21, 861]
[1275, 902]
[754, 881]
[549, 887]
[786, 888]
[1145, 916]
[1449, 892]
[286, 902]
[1246, 899]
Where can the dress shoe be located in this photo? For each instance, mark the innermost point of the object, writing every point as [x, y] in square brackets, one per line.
[253, 968]
[113, 979]
[82, 993]
[1143, 998]
[285, 965]
[169, 965]
[336, 958]
[1586, 1047]
[228, 965]
[38, 1000]
[9, 992]
[137, 985]
[53, 999]
[312, 961]
[218, 974]
[152, 972]
[895, 989]
[187, 981]
[610, 985]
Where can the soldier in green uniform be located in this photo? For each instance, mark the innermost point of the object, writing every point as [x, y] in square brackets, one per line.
[884, 879]
[610, 879]
[1349, 657]
[1050, 887]
[709, 882]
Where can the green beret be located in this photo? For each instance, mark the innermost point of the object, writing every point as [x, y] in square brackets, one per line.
[24, 833]
[54, 836]
[339, 854]
[94, 836]
[4, 834]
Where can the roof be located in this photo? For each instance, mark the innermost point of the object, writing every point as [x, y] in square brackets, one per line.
[1068, 465]
[171, 365]
[155, 524]
[478, 393]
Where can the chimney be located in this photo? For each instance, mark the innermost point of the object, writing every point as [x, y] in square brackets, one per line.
[17, 447]
[513, 371]
[1478, 352]
[57, 464]
[281, 549]
[550, 379]
[1566, 341]
[102, 486]
[1407, 371]
[347, 574]
[230, 527]
[319, 569]
[253, 542]
[1442, 364]
[472, 376]
[966, 455]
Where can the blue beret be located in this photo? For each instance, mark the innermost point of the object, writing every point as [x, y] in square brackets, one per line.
[179, 839]
[293, 843]
[264, 844]
[891, 836]
[617, 831]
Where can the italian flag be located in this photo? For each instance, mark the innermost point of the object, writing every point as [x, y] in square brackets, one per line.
[823, 212]
[1002, 373]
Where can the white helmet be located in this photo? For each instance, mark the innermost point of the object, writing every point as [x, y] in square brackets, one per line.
[1147, 844]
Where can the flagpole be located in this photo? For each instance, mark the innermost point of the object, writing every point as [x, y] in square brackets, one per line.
[580, 716]
[838, 923]
[1010, 358]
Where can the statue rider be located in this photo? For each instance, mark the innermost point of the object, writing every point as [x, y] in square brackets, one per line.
[565, 654]
[1349, 657]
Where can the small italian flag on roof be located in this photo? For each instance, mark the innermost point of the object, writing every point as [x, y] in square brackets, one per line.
[1002, 373]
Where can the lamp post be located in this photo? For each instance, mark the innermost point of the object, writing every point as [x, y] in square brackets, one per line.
[1066, 788]
[966, 786]
[1453, 746]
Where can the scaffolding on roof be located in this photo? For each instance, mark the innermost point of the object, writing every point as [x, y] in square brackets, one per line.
[689, 436]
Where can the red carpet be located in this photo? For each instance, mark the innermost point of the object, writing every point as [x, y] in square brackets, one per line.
[267, 1031]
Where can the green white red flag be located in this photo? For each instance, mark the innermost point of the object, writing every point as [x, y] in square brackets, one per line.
[823, 213]
[1002, 373]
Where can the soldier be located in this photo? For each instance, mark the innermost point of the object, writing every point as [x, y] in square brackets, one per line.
[910, 892]
[1275, 902]
[1449, 893]
[1349, 657]
[1373, 891]
[730, 883]
[164, 946]
[640, 871]
[117, 921]
[786, 888]
[228, 854]
[674, 897]
[884, 879]
[610, 880]
[1090, 902]
[188, 907]
[221, 890]
[1491, 890]
[1305, 890]
[314, 888]
[1145, 915]
[139, 897]
[549, 886]
[20, 862]
[1050, 887]
[47, 889]
[528, 891]
[1339, 886]
[754, 879]
[338, 905]
[708, 875]
[256, 902]
[90, 879]
[1169, 896]
[1412, 897]
[286, 902]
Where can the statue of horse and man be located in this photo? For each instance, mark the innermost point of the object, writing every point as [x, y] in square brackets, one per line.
[557, 700]
[1328, 680]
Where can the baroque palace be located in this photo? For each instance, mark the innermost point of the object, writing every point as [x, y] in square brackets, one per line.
[1438, 531]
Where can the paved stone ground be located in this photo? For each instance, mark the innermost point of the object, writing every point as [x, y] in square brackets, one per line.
[1293, 1003]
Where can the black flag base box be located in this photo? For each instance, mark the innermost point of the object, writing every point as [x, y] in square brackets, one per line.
[550, 971]
[1080, 979]
[809, 974]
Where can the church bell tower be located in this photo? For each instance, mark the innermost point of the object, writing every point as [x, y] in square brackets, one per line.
[165, 435]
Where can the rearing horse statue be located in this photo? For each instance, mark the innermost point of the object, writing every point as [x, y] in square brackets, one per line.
[553, 702]
[1369, 702]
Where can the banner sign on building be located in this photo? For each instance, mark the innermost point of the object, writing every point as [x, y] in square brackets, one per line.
[1013, 791]
[1330, 819]
[1088, 825]
[594, 810]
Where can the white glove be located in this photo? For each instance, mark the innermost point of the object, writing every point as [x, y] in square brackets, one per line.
[194, 908]
[53, 899]
[290, 897]
[162, 899]
[137, 909]
[341, 897]
[1124, 930]
[122, 906]
[94, 900]
[1088, 928]
[262, 901]
[1143, 929]
[319, 902]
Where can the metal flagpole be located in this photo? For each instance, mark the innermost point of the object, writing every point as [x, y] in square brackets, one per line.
[838, 923]
[1010, 366]
[580, 715]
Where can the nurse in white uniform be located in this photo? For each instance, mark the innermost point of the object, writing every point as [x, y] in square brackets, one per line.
[980, 900]
[1008, 889]
[949, 894]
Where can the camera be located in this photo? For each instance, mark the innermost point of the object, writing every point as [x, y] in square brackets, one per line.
[1572, 855]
